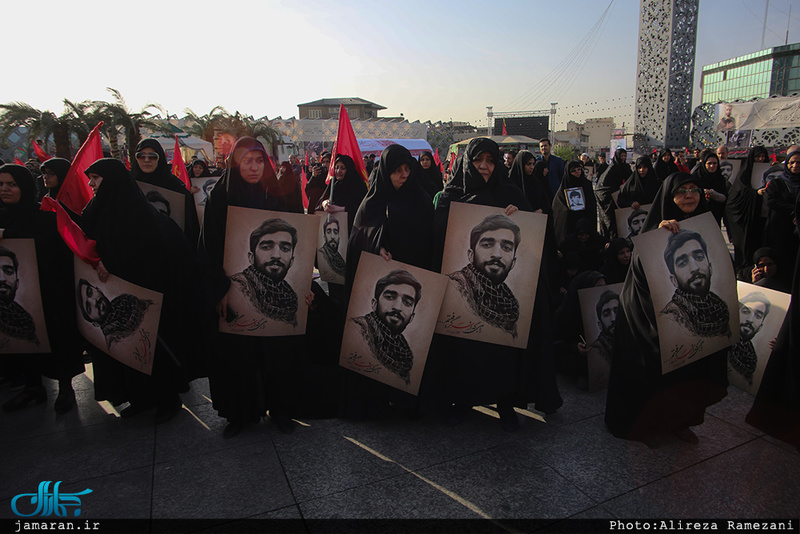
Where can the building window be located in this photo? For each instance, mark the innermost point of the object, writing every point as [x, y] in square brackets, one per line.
[333, 112]
[314, 114]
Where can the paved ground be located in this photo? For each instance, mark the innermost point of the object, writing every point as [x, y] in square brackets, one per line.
[561, 466]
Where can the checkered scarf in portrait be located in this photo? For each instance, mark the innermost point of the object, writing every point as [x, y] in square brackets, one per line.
[390, 349]
[743, 359]
[705, 316]
[334, 259]
[16, 322]
[126, 315]
[494, 303]
[275, 300]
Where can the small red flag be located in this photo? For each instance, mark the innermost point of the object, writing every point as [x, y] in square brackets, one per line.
[127, 163]
[346, 143]
[505, 132]
[178, 167]
[73, 236]
[438, 161]
[304, 181]
[75, 192]
[452, 160]
[40, 153]
[18, 161]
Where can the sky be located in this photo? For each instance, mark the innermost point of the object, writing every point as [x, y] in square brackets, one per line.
[441, 60]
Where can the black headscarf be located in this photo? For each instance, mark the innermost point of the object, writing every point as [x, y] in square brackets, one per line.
[27, 185]
[430, 178]
[608, 183]
[664, 207]
[780, 196]
[743, 212]
[349, 192]
[60, 166]
[715, 181]
[529, 183]
[203, 164]
[793, 180]
[612, 269]
[399, 220]
[638, 188]
[564, 219]
[665, 168]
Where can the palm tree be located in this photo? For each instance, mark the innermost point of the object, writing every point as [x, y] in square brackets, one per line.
[131, 123]
[40, 124]
[203, 126]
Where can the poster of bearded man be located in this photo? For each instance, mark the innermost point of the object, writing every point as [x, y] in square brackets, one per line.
[269, 258]
[22, 325]
[332, 247]
[630, 221]
[118, 317]
[390, 321]
[170, 203]
[691, 279]
[492, 261]
[599, 308]
[761, 313]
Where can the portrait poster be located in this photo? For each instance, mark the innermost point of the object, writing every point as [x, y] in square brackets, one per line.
[390, 321]
[693, 289]
[204, 186]
[630, 221]
[574, 198]
[599, 307]
[761, 314]
[494, 308]
[730, 168]
[22, 326]
[588, 170]
[271, 278]
[118, 317]
[764, 173]
[740, 139]
[175, 203]
[332, 247]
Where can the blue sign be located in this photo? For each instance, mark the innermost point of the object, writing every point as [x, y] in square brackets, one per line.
[47, 503]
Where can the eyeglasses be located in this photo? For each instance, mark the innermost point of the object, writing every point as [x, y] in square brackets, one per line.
[149, 156]
[574, 169]
[694, 190]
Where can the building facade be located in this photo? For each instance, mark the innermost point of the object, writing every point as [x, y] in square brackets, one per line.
[328, 108]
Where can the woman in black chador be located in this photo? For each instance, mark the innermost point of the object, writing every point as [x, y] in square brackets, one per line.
[640, 188]
[347, 187]
[395, 221]
[643, 404]
[54, 170]
[150, 166]
[20, 217]
[139, 245]
[780, 196]
[464, 372]
[608, 183]
[523, 176]
[248, 375]
[565, 212]
[664, 165]
[430, 175]
[743, 214]
[708, 176]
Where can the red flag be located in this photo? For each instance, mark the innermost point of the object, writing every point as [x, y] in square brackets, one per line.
[40, 153]
[73, 236]
[347, 144]
[505, 132]
[178, 167]
[127, 162]
[438, 161]
[452, 160]
[18, 161]
[304, 181]
[75, 192]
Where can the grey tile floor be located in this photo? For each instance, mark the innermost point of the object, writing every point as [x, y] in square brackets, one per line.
[562, 466]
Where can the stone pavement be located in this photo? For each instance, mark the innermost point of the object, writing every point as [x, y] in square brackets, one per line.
[562, 466]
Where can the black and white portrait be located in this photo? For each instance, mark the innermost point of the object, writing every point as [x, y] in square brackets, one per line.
[630, 221]
[118, 317]
[761, 314]
[492, 261]
[332, 247]
[761, 170]
[694, 303]
[170, 203]
[391, 318]
[22, 327]
[269, 258]
[730, 168]
[158, 201]
[599, 307]
[204, 186]
[575, 199]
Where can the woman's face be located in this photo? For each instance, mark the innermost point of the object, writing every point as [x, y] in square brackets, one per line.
[50, 178]
[760, 157]
[340, 170]
[94, 181]
[666, 157]
[687, 196]
[642, 170]
[624, 256]
[197, 170]
[10, 193]
[529, 166]
[575, 171]
[252, 166]
[794, 164]
[485, 164]
[425, 161]
[400, 175]
[712, 164]
[147, 158]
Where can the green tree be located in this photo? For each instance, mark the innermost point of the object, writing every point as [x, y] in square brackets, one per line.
[130, 123]
[40, 124]
[564, 152]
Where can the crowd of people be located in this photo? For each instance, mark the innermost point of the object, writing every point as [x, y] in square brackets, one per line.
[402, 213]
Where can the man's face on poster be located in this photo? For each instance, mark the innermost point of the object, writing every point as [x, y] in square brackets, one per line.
[692, 269]
[726, 169]
[94, 303]
[637, 223]
[9, 281]
[274, 254]
[332, 235]
[494, 254]
[751, 319]
[395, 306]
[575, 200]
[608, 317]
